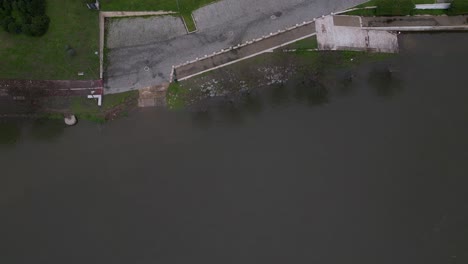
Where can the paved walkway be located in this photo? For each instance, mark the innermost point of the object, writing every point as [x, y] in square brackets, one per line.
[346, 33]
[220, 25]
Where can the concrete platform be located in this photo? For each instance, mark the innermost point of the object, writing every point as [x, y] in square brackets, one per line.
[345, 33]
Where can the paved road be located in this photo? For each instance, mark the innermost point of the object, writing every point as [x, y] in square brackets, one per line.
[222, 24]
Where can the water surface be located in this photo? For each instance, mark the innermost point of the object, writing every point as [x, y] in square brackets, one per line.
[374, 174]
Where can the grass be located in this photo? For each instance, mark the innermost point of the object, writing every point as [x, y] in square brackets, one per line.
[189, 22]
[434, 12]
[85, 108]
[175, 96]
[71, 23]
[304, 44]
[306, 66]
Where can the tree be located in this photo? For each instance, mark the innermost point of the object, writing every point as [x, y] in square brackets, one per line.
[13, 28]
[6, 21]
[24, 16]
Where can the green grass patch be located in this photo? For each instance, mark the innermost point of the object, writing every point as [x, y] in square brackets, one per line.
[175, 97]
[304, 44]
[52, 116]
[397, 8]
[189, 22]
[88, 109]
[459, 7]
[71, 23]
[432, 12]
[394, 8]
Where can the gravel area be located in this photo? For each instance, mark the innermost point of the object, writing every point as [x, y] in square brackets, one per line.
[125, 32]
[221, 25]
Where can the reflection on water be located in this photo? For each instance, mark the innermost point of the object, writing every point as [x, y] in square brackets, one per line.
[10, 132]
[384, 79]
[45, 129]
[309, 171]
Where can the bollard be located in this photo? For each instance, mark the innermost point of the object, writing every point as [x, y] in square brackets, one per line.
[70, 120]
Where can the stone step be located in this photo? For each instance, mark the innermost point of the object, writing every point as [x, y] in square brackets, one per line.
[154, 96]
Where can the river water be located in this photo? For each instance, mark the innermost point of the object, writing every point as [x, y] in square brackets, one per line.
[376, 174]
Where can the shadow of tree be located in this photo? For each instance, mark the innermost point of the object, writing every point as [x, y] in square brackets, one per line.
[10, 133]
[384, 81]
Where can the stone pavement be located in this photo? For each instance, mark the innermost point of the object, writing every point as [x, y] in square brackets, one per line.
[220, 25]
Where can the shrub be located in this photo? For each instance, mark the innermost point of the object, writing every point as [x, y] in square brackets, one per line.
[459, 7]
[13, 28]
[26, 16]
[39, 25]
[394, 7]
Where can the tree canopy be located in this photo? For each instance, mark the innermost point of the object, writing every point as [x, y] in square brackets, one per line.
[24, 16]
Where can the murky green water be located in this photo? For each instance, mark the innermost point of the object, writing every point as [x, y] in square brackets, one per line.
[370, 170]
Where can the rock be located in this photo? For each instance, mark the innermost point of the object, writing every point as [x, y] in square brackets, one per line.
[70, 120]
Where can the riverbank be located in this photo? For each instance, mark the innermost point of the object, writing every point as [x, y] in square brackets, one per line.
[308, 71]
[55, 107]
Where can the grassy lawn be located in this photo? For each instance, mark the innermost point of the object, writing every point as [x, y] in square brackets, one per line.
[175, 96]
[184, 7]
[71, 23]
[303, 45]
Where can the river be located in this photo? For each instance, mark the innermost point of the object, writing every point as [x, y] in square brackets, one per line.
[377, 174]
